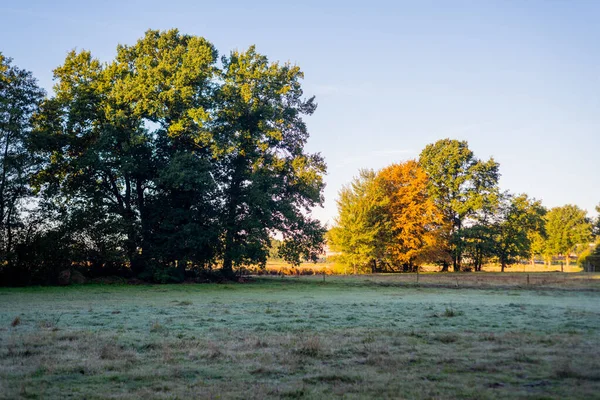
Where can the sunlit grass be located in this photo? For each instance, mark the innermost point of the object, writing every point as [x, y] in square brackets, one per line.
[281, 267]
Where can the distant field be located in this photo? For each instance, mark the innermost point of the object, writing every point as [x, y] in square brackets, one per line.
[299, 337]
[496, 280]
[333, 268]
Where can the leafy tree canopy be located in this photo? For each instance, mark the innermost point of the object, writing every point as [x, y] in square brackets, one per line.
[186, 162]
[461, 186]
[414, 219]
[359, 229]
[566, 227]
[19, 99]
[519, 218]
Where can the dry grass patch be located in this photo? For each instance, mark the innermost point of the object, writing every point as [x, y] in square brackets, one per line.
[183, 303]
[309, 346]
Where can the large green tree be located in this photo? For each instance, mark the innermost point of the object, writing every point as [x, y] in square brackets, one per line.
[518, 218]
[19, 99]
[567, 226]
[112, 135]
[479, 243]
[361, 228]
[85, 159]
[269, 183]
[461, 185]
[479, 233]
[186, 163]
[165, 83]
[539, 245]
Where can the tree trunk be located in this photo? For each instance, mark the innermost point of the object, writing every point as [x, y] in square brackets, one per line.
[144, 238]
[231, 229]
[230, 245]
[137, 266]
[457, 259]
[445, 266]
[2, 190]
[458, 250]
[228, 256]
[9, 232]
[131, 243]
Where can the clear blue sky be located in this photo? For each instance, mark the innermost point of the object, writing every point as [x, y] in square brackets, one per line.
[520, 80]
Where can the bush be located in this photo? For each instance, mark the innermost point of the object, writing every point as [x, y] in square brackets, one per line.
[590, 258]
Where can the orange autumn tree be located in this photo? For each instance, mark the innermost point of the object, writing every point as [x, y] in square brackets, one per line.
[415, 221]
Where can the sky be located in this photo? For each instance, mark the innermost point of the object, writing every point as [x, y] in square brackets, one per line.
[519, 80]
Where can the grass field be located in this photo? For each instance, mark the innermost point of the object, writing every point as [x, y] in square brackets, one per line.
[493, 336]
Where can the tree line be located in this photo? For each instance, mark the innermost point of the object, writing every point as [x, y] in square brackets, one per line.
[166, 162]
[446, 208]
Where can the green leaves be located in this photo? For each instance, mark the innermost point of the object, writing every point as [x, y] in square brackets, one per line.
[19, 100]
[387, 221]
[164, 75]
[461, 185]
[519, 220]
[190, 161]
[400, 216]
[567, 226]
[269, 183]
[358, 229]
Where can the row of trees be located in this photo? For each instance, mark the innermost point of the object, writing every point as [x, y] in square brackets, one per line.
[447, 208]
[165, 160]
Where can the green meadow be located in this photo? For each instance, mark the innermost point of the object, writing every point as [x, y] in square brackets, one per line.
[306, 337]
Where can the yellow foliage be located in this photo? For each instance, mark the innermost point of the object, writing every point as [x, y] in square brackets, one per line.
[415, 220]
